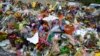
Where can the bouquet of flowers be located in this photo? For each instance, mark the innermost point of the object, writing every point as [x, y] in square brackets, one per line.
[3, 36]
[18, 43]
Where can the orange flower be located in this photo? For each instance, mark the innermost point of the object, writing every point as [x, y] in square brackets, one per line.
[69, 29]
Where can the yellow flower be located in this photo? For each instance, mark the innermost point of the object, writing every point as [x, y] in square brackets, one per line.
[17, 14]
[33, 4]
[97, 54]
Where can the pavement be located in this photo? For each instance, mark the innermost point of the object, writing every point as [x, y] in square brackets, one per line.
[5, 49]
[5, 53]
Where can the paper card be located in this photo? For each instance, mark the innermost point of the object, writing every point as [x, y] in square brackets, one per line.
[34, 39]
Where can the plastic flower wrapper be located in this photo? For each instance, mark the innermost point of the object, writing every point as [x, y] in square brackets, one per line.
[98, 43]
[42, 44]
[51, 35]
[90, 40]
[55, 45]
[4, 21]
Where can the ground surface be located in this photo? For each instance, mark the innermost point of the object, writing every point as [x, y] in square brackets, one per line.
[5, 53]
